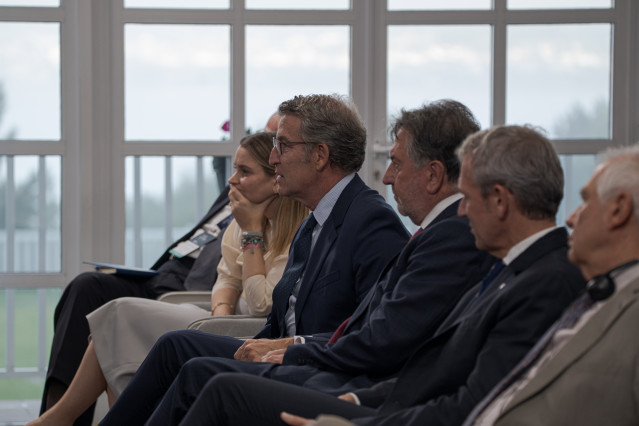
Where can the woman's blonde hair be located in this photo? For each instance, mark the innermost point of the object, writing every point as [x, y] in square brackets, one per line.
[289, 213]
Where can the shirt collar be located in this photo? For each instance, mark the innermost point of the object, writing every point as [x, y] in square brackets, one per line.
[326, 204]
[440, 207]
[523, 245]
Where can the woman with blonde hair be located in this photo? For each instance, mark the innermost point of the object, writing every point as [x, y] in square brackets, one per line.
[254, 253]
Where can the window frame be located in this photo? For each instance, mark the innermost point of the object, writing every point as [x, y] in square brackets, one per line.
[92, 144]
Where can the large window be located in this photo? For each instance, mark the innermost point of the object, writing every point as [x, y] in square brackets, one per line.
[119, 119]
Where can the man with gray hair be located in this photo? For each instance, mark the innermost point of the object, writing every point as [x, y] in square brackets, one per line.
[585, 372]
[487, 333]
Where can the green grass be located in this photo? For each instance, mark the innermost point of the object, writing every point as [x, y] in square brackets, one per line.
[26, 343]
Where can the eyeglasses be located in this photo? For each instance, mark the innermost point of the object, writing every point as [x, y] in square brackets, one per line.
[277, 144]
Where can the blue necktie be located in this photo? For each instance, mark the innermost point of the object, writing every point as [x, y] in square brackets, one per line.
[301, 252]
[490, 277]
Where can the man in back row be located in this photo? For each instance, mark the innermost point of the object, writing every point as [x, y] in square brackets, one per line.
[511, 208]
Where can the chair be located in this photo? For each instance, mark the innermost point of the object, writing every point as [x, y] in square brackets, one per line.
[201, 299]
[239, 326]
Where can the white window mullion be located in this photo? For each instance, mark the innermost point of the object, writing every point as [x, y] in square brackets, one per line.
[42, 213]
[168, 200]
[10, 306]
[199, 184]
[10, 214]
[238, 72]
[137, 210]
[499, 65]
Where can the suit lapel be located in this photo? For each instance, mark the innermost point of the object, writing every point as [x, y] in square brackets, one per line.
[469, 306]
[325, 241]
[588, 336]
[365, 307]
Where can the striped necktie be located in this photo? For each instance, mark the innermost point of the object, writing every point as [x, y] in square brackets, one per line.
[568, 319]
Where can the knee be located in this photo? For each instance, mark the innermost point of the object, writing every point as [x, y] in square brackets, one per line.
[174, 345]
[194, 366]
[175, 338]
[83, 285]
[79, 293]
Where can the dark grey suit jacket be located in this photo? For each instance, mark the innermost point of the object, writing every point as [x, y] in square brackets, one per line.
[480, 341]
[409, 302]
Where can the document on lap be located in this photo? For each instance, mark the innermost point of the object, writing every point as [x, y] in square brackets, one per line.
[111, 268]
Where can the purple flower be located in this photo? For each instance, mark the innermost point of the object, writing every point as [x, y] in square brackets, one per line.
[226, 126]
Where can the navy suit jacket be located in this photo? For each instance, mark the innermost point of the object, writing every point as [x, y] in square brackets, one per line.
[481, 341]
[413, 296]
[203, 272]
[361, 235]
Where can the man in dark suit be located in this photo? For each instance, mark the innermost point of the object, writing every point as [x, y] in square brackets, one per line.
[352, 233]
[414, 293]
[586, 374]
[90, 290]
[511, 208]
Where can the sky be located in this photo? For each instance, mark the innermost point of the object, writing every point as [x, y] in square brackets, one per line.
[177, 77]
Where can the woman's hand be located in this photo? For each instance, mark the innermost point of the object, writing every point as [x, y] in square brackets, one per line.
[249, 215]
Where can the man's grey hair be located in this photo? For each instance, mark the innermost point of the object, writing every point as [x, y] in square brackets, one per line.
[622, 174]
[435, 131]
[521, 159]
[334, 121]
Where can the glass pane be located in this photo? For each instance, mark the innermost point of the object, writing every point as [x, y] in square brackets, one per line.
[558, 4]
[29, 80]
[284, 61]
[577, 171]
[177, 81]
[23, 3]
[195, 182]
[426, 63]
[438, 4]
[559, 79]
[26, 309]
[26, 347]
[178, 4]
[297, 4]
[30, 236]
[53, 221]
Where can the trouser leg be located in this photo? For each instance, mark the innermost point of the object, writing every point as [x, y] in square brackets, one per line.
[240, 399]
[156, 374]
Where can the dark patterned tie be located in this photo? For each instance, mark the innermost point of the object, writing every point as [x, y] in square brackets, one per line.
[301, 252]
[490, 276]
[568, 319]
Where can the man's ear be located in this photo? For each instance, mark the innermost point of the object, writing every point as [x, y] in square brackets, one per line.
[619, 210]
[501, 200]
[320, 156]
[435, 175]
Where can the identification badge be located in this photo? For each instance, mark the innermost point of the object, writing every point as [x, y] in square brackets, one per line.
[187, 247]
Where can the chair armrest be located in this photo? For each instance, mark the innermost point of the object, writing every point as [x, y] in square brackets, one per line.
[239, 326]
[201, 299]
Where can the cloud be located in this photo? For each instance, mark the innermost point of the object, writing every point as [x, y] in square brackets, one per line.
[177, 46]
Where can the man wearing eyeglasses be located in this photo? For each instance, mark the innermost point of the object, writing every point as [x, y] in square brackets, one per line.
[335, 258]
